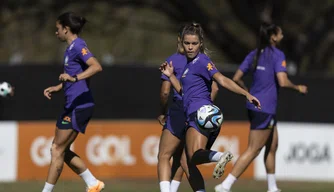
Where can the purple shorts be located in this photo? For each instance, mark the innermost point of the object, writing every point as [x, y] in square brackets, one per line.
[212, 136]
[176, 121]
[259, 120]
[76, 119]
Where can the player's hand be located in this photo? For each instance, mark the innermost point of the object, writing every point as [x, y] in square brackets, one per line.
[162, 119]
[66, 77]
[254, 101]
[49, 90]
[167, 68]
[302, 89]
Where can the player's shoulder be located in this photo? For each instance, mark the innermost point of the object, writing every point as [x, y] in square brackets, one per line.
[176, 56]
[277, 52]
[78, 44]
[202, 59]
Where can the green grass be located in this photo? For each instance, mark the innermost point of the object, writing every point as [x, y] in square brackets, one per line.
[145, 185]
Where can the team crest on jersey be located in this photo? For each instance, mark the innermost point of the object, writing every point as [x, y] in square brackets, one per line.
[210, 66]
[284, 63]
[84, 51]
[185, 73]
[66, 61]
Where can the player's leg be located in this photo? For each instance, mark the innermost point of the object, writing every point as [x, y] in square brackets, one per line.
[179, 163]
[63, 139]
[81, 117]
[269, 160]
[195, 141]
[167, 146]
[258, 137]
[79, 167]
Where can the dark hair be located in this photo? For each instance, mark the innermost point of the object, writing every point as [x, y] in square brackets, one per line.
[195, 29]
[265, 33]
[73, 21]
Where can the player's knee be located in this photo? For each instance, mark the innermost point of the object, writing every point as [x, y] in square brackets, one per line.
[164, 155]
[255, 149]
[57, 150]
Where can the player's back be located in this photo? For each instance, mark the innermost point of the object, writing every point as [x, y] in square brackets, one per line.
[265, 85]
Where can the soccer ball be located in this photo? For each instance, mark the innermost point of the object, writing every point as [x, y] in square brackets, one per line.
[209, 118]
[5, 89]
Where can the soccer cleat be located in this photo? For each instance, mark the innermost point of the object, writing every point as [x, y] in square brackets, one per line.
[219, 188]
[97, 188]
[278, 190]
[220, 167]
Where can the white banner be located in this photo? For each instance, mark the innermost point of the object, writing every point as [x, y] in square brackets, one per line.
[305, 152]
[8, 151]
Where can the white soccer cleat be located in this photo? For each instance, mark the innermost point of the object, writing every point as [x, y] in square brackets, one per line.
[219, 188]
[278, 190]
[220, 166]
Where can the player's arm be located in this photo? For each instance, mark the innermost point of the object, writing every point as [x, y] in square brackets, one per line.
[164, 95]
[53, 89]
[214, 90]
[176, 84]
[238, 79]
[285, 82]
[229, 84]
[168, 70]
[93, 67]
[232, 86]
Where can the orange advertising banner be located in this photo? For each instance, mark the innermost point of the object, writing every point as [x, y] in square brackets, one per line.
[115, 149]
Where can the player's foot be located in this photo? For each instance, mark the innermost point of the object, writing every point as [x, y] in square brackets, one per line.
[278, 190]
[219, 188]
[97, 188]
[220, 167]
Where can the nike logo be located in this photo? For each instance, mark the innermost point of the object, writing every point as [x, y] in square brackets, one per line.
[65, 122]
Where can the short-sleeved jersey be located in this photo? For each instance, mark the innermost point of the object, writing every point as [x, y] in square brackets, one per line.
[179, 62]
[265, 85]
[196, 83]
[75, 58]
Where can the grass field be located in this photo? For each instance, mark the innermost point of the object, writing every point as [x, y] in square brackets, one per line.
[126, 185]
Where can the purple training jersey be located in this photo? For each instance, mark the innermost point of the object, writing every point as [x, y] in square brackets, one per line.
[265, 85]
[76, 56]
[196, 83]
[179, 62]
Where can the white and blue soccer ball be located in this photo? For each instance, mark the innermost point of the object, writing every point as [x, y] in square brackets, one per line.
[209, 117]
[5, 89]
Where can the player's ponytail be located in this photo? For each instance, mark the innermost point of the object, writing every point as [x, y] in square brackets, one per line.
[265, 33]
[73, 21]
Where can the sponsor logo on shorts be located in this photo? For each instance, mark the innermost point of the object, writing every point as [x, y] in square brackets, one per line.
[66, 120]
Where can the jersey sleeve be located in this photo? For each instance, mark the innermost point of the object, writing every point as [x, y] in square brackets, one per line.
[280, 63]
[208, 69]
[83, 52]
[247, 62]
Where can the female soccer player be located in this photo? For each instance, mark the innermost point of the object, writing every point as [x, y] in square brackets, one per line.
[173, 122]
[79, 66]
[196, 83]
[267, 63]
